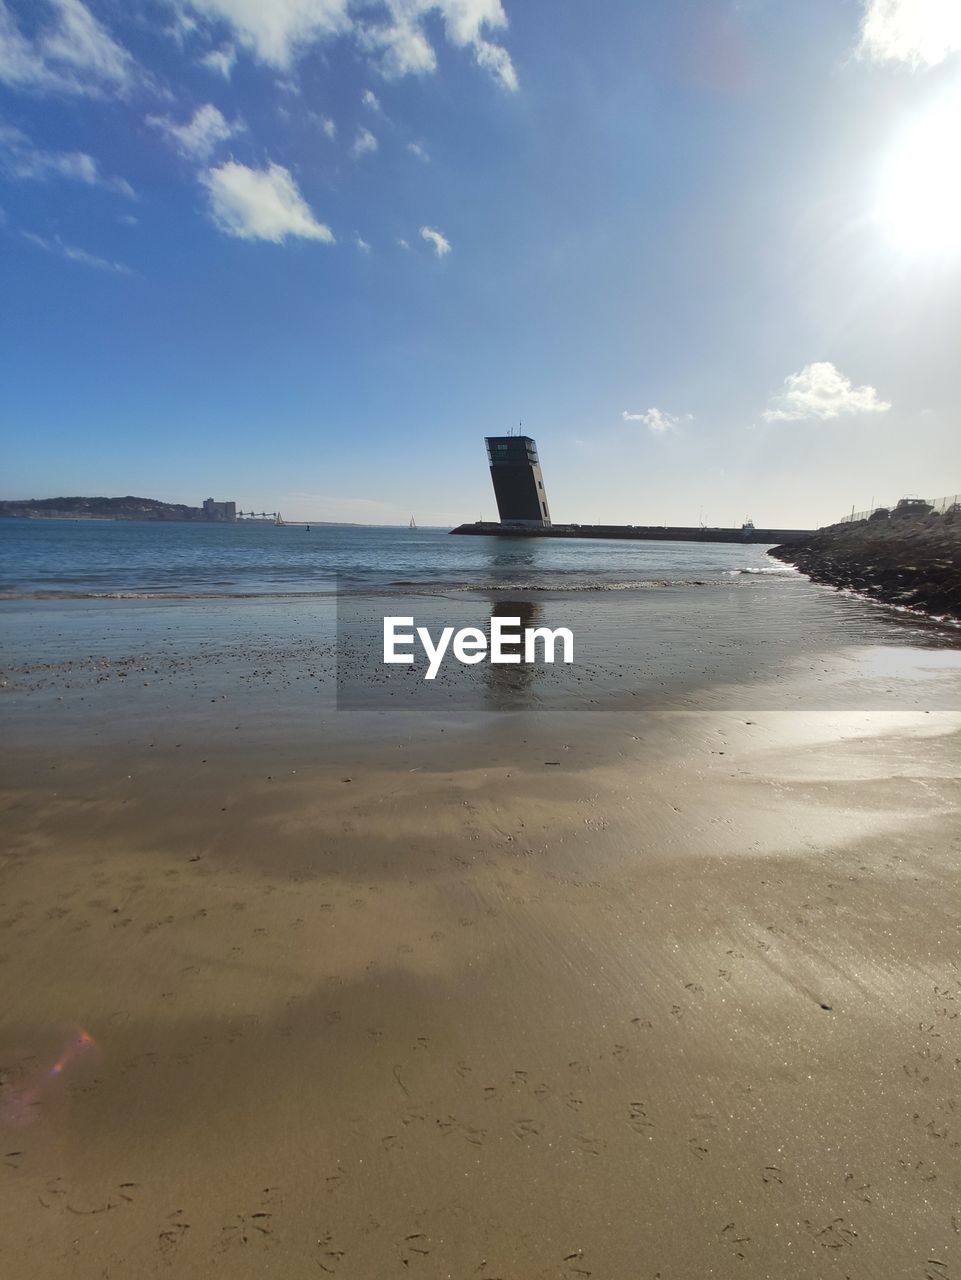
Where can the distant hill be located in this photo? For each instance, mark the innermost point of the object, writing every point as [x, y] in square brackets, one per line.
[128, 508]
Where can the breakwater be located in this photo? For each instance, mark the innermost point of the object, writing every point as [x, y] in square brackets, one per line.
[638, 532]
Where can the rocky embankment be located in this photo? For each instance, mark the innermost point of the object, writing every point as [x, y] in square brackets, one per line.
[912, 562]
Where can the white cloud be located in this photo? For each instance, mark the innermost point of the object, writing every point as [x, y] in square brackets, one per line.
[917, 32]
[221, 60]
[656, 420]
[73, 254]
[261, 204]
[328, 126]
[364, 143]
[19, 158]
[404, 47]
[495, 59]
[361, 243]
[277, 32]
[465, 22]
[402, 243]
[370, 100]
[200, 136]
[822, 391]
[72, 53]
[437, 241]
[407, 49]
[419, 150]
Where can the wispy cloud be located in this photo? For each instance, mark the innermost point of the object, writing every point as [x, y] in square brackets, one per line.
[364, 143]
[921, 33]
[261, 204]
[20, 159]
[221, 60]
[402, 46]
[371, 100]
[821, 391]
[658, 421]
[361, 243]
[420, 151]
[495, 59]
[73, 254]
[199, 137]
[402, 243]
[437, 240]
[72, 53]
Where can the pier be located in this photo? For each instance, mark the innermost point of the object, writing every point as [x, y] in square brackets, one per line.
[634, 532]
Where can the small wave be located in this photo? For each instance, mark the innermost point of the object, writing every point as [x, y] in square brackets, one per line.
[164, 595]
[642, 584]
[360, 587]
[777, 570]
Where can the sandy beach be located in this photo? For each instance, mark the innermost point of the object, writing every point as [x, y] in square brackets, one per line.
[654, 992]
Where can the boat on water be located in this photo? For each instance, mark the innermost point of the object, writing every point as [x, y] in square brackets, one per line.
[412, 523]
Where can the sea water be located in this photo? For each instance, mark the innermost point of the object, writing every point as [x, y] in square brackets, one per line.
[90, 558]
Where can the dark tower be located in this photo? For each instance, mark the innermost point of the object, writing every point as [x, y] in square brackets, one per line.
[518, 483]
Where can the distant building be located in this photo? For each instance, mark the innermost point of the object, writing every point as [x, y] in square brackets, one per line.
[518, 483]
[220, 510]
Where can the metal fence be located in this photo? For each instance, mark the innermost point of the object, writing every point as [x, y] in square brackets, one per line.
[936, 506]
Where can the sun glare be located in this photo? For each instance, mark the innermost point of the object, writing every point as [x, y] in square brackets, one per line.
[920, 198]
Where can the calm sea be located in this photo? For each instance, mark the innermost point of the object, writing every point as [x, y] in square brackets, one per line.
[89, 559]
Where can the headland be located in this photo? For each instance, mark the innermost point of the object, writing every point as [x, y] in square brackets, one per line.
[127, 508]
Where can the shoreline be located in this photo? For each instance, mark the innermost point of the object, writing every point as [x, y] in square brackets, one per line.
[912, 563]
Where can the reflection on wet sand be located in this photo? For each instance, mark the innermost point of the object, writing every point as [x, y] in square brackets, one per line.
[509, 686]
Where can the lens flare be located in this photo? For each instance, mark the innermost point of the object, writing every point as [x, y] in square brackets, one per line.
[18, 1105]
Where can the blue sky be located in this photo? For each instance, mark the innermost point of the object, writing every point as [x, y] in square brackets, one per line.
[307, 253]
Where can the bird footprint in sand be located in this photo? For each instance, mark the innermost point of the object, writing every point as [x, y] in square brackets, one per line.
[730, 1235]
[328, 1257]
[589, 1146]
[173, 1232]
[414, 1248]
[574, 1264]
[638, 1119]
[250, 1228]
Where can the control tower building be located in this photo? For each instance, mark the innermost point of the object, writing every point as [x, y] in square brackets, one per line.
[518, 483]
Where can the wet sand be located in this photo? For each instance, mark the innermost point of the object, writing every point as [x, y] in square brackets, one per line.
[534, 995]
